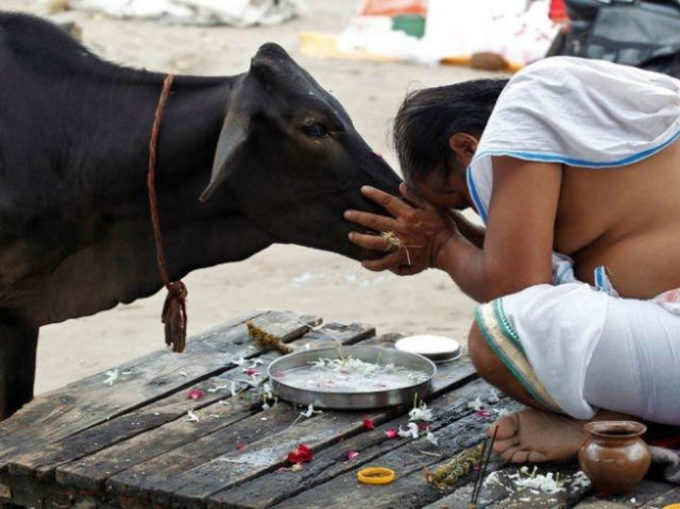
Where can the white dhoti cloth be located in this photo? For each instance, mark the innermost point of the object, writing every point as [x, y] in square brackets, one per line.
[573, 346]
[577, 349]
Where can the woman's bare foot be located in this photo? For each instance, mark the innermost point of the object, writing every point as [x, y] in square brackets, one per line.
[537, 436]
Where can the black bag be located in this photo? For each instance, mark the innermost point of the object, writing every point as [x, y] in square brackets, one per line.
[641, 33]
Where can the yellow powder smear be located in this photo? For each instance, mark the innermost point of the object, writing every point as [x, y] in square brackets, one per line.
[266, 340]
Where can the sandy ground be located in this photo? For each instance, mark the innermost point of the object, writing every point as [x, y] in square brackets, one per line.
[283, 276]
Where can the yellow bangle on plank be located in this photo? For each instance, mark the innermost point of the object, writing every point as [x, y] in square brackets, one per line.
[375, 475]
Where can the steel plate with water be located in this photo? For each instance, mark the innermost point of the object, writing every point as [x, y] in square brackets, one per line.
[298, 377]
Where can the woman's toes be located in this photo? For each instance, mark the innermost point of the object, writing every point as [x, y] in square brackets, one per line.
[510, 452]
[520, 457]
[507, 427]
[537, 457]
[500, 446]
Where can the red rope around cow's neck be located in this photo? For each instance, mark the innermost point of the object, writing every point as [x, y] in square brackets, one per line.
[174, 314]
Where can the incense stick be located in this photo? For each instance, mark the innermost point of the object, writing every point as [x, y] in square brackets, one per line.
[486, 455]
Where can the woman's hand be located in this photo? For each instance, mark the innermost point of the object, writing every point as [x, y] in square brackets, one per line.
[420, 228]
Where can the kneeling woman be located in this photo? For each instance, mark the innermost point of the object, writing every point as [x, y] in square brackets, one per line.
[574, 167]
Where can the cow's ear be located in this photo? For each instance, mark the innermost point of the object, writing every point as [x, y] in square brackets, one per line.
[230, 144]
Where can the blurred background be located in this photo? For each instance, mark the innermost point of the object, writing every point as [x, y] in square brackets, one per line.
[369, 54]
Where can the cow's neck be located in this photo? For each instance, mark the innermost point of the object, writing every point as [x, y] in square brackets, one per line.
[116, 242]
[114, 136]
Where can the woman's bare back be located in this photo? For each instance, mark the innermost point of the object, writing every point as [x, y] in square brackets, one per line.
[627, 219]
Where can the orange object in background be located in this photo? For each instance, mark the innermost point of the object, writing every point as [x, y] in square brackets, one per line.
[393, 7]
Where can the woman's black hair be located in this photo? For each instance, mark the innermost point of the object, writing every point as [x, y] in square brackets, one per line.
[429, 117]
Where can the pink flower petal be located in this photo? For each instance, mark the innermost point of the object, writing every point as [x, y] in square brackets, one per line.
[352, 454]
[369, 424]
[195, 394]
[251, 372]
[391, 433]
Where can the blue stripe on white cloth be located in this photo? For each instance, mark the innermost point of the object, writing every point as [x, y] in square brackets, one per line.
[558, 158]
[475, 195]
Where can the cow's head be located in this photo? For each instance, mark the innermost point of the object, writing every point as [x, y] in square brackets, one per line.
[289, 154]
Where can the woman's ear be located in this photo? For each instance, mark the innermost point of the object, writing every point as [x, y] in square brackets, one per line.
[464, 145]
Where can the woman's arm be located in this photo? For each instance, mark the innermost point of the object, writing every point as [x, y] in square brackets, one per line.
[516, 249]
[473, 232]
[519, 236]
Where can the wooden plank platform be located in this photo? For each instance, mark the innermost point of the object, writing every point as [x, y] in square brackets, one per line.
[131, 438]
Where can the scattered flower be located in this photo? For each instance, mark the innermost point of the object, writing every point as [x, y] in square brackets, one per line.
[232, 388]
[111, 376]
[423, 426]
[547, 483]
[296, 467]
[240, 361]
[476, 405]
[391, 433]
[369, 424]
[483, 413]
[182, 373]
[192, 417]
[240, 447]
[195, 394]
[503, 412]
[493, 397]
[218, 388]
[411, 431]
[351, 455]
[268, 396]
[251, 372]
[431, 438]
[310, 411]
[420, 413]
[301, 454]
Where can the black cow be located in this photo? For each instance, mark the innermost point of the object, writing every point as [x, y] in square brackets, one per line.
[75, 234]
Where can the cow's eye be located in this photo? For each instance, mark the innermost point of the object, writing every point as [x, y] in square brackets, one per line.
[315, 130]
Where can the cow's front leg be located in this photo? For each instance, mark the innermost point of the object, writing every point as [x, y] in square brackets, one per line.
[18, 346]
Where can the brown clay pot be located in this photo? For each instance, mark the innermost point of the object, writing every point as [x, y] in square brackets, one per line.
[614, 456]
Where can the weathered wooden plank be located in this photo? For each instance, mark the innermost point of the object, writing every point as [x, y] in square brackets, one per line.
[672, 496]
[600, 504]
[646, 494]
[271, 488]
[194, 478]
[90, 471]
[409, 490]
[56, 411]
[462, 495]
[90, 401]
[42, 462]
[522, 498]
[26, 492]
